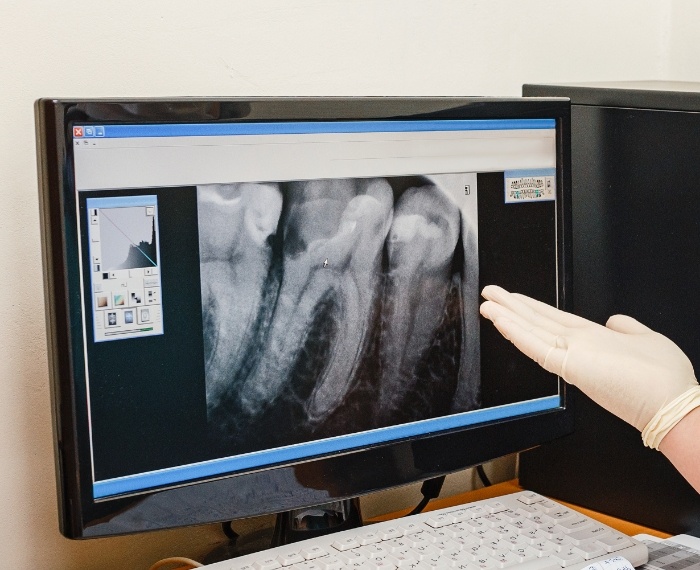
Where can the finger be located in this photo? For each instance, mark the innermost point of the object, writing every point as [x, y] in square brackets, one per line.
[627, 325]
[492, 311]
[523, 309]
[549, 357]
[561, 317]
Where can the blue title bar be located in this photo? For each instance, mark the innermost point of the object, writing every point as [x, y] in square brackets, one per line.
[297, 128]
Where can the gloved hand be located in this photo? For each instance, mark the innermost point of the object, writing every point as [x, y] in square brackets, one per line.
[625, 367]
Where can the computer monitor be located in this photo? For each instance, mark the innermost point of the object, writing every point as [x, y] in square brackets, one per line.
[257, 305]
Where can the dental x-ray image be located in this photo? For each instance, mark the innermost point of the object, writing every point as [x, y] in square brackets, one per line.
[336, 306]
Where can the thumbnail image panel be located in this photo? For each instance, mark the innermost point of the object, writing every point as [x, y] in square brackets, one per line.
[124, 266]
[335, 306]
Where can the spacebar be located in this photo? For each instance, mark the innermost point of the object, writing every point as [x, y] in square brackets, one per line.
[537, 564]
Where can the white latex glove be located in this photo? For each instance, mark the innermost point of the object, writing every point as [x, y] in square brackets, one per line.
[623, 366]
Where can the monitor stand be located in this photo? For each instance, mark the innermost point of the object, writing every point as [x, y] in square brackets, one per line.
[291, 526]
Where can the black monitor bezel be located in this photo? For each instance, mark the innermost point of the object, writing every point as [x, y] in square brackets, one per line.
[325, 478]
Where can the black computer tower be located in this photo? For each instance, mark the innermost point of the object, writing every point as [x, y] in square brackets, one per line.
[636, 248]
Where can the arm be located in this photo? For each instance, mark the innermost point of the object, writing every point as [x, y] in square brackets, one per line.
[637, 374]
[682, 448]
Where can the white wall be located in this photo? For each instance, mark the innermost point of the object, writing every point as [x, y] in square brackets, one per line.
[258, 47]
[683, 62]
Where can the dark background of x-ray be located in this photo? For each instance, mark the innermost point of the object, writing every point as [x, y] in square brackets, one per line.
[147, 395]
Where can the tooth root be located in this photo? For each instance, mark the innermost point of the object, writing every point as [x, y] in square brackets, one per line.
[235, 222]
[370, 215]
[421, 246]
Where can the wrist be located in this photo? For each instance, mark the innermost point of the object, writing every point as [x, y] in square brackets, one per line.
[669, 416]
[682, 448]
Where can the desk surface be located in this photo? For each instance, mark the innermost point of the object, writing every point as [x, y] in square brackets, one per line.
[512, 487]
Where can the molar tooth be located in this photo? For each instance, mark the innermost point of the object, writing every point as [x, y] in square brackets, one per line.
[423, 238]
[344, 221]
[235, 261]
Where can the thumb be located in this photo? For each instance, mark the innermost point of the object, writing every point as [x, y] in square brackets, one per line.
[627, 325]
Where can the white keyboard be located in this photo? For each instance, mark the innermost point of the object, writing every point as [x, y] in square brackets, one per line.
[523, 529]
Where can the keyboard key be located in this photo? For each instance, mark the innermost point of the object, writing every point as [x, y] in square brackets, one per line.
[396, 544]
[416, 565]
[474, 525]
[544, 547]
[351, 556]
[547, 506]
[521, 523]
[368, 538]
[511, 515]
[550, 530]
[530, 498]
[466, 541]
[503, 529]
[525, 553]
[484, 563]
[476, 511]
[495, 506]
[446, 545]
[475, 552]
[289, 558]
[461, 515]
[410, 528]
[588, 534]
[515, 540]
[538, 520]
[346, 543]
[540, 564]
[527, 510]
[426, 551]
[575, 523]
[435, 534]
[561, 542]
[567, 557]
[494, 545]
[433, 562]
[417, 539]
[456, 530]
[402, 558]
[485, 534]
[456, 557]
[438, 521]
[330, 563]
[307, 565]
[534, 535]
[505, 559]
[379, 563]
[590, 550]
[561, 514]
[389, 532]
[311, 552]
[493, 520]
[374, 551]
[267, 563]
[614, 542]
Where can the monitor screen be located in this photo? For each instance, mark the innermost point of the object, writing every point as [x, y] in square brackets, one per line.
[247, 300]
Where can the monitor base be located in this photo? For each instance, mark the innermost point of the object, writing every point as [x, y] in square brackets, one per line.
[292, 526]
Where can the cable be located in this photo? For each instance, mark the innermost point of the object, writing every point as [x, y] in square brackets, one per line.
[482, 476]
[231, 534]
[430, 489]
[176, 560]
